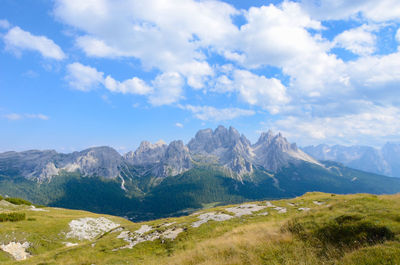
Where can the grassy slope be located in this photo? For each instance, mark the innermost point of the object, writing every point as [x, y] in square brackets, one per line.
[347, 229]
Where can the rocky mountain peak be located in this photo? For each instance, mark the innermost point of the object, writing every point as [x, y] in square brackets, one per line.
[265, 137]
[274, 152]
[147, 153]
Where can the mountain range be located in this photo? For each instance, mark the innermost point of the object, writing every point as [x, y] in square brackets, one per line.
[384, 161]
[216, 167]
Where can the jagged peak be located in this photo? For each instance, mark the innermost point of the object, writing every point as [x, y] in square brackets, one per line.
[265, 137]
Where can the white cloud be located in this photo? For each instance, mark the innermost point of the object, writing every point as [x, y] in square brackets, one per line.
[168, 89]
[375, 72]
[267, 93]
[18, 40]
[82, 77]
[357, 40]
[4, 24]
[130, 86]
[274, 35]
[179, 125]
[165, 35]
[374, 123]
[278, 36]
[382, 10]
[398, 35]
[13, 116]
[16, 116]
[208, 113]
[96, 48]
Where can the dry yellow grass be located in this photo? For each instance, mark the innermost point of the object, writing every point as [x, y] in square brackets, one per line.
[248, 244]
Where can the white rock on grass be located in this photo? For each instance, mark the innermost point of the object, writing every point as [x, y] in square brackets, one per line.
[33, 208]
[89, 228]
[143, 229]
[205, 217]
[245, 209]
[69, 244]
[291, 204]
[171, 233]
[168, 224]
[304, 209]
[17, 250]
[140, 235]
[280, 209]
[269, 204]
[318, 203]
[264, 213]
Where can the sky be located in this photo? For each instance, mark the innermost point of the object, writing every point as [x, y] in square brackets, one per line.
[76, 74]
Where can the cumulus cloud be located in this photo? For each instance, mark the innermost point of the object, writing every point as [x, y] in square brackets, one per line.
[165, 35]
[131, 86]
[382, 10]
[179, 125]
[273, 35]
[16, 116]
[165, 89]
[18, 40]
[398, 35]
[82, 77]
[357, 40]
[168, 89]
[208, 113]
[374, 123]
[268, 93]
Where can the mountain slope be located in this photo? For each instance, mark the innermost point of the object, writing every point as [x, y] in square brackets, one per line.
[316, 228]
[195, 188]
[384, 161]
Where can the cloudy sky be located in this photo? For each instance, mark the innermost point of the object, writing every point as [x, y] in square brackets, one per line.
[75, 74]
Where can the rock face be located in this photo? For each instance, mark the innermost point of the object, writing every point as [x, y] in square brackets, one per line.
[385, 161]
[274, 152]
[226, 146]
[98, 161]
[162, 160]
[147, 153]
[44, 165]
[222, 147]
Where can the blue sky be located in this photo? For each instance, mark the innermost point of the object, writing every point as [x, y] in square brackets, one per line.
[76, 74]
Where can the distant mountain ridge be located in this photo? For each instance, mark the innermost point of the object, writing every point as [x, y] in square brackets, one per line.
[225, 147]
[384, 161]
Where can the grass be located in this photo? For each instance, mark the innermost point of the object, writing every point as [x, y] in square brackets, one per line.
[12, 217]
[345, 229]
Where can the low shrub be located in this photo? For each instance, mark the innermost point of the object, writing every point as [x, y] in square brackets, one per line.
[12, 217]
[18, 201]
[343, 231]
